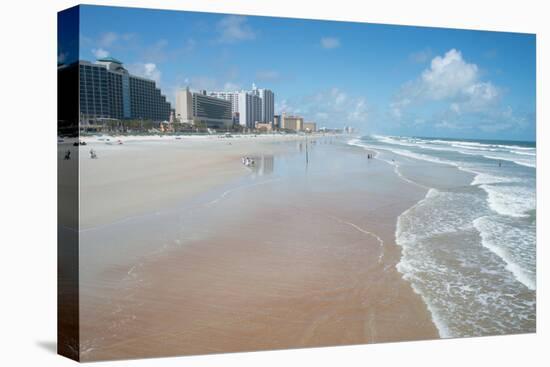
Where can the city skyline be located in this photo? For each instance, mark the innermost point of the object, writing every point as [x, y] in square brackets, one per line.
[383, 79]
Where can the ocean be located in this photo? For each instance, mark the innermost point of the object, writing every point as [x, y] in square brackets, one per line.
[469, 246]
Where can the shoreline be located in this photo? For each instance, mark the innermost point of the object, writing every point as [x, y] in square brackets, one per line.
[460, 232]
[320, 239]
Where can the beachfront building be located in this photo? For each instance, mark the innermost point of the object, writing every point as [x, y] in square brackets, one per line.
[250, 109]
[294, 123]
[233, 97]
[310, 127]
[109, 92]
[276, 121]
[200, 109]
[267, 101]
[257, 105]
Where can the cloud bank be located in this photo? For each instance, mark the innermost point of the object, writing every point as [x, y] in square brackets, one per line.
[234, 28]
[456, 97]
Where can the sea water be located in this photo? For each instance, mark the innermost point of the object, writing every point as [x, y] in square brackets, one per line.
[469, 249]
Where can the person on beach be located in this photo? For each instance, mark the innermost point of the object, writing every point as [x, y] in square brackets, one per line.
[68, 155]
[92, 154]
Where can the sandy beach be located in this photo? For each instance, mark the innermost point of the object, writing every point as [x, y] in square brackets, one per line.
[184, 250]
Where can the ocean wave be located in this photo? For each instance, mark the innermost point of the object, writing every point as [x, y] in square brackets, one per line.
[510, 200]
[468, 291]
[521, 162]
[487, 178]
[471, 273]
[504, 240]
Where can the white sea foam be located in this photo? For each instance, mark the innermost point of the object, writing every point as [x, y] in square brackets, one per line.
[487, 178]
[499, 238]
[468, 291]
[513, 201]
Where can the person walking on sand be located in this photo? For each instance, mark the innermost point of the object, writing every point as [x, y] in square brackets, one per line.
[92, 154]
[68, 155]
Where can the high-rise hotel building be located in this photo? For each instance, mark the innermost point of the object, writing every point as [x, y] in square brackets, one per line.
[267, 98]
[108, 91]
[250, 109]
[199, 108]
[253, 106]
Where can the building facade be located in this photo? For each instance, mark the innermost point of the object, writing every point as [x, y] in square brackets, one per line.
[198, 108]
[257, 105]
[233, 97]
[250, 109]
[294, 123]
[276, 121]
[267, 98]
[108, 91]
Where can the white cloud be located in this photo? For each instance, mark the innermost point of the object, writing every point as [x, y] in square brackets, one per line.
[107, 39]
[450, 94]
[100, 53]
[330, 42]
[448, 79]
[447, 76]
[147, 70]
[233, 28]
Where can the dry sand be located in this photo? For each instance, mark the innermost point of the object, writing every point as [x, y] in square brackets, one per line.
[140, 177]
[300, 257]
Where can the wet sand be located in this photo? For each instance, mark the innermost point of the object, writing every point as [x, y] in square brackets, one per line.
[286, 256]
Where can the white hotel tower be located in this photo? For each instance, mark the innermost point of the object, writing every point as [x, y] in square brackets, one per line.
[253, 106]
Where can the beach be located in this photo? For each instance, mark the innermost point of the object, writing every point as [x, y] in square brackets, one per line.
[184, 250]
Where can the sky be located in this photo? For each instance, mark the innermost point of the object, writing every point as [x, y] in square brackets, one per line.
[381, 79]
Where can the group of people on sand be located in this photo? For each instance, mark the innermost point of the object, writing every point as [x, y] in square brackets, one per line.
[247, 161]
[369, 156]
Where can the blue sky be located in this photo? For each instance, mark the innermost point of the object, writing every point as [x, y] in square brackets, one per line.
[382, 79]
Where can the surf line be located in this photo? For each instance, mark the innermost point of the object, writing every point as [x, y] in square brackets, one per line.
[362, 230]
